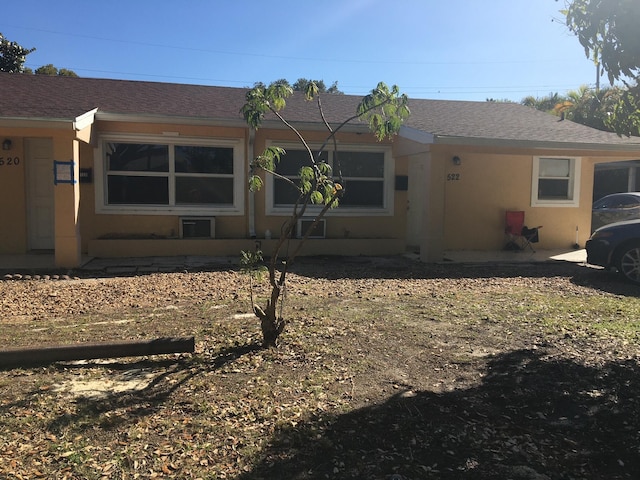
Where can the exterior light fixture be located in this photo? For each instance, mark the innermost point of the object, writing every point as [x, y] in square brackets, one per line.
[6, 145]
[456, 160]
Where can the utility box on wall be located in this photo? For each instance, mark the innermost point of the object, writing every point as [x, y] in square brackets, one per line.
[197, 227]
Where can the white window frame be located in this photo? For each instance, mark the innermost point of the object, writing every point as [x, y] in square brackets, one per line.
[573, 186]
[388, 184]
[239, 177]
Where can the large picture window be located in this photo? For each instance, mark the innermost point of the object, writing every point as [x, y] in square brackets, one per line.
[366, 175]
[185, 176]
[556, 181]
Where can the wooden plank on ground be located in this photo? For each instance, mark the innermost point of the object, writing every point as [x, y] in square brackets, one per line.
[88, 351]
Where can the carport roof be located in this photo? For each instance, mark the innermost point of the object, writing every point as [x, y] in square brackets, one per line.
[439, 121]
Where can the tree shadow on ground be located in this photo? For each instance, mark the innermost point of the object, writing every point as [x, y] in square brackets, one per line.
[530, 417]
[163, 377]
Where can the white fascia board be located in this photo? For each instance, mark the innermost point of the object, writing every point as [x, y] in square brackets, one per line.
[23, 122]
[416, 135]
[537, 144]
[314, 126]
[124, 117]
[83, 121]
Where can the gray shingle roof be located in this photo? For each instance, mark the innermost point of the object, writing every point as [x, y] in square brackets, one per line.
[41, 96]
[450, 120]
[44, 97]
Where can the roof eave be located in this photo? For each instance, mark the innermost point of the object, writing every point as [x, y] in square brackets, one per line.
[37, 122]
[535, 144]
[416, 135]
[224, 122]
[315, 126]
[167, 119]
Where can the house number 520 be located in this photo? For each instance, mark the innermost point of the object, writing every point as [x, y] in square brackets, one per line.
[9, 161]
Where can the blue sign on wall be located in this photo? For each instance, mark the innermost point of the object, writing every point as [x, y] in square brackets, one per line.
[63, 172]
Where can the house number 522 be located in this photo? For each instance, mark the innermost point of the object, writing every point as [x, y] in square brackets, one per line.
[452, 177]
[9, 161]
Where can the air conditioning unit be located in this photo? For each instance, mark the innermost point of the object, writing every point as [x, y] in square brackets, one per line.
[304, 224]
[197, 227]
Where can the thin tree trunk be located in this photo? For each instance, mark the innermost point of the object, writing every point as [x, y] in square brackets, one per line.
[270, 324]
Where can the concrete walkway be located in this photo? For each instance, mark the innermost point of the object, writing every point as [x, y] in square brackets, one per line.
[132, 265]
[522, 256]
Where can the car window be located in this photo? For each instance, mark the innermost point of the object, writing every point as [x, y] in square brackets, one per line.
[626, 201]
[617, 201]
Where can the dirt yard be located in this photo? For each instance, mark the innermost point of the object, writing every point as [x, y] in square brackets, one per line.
[387, 367]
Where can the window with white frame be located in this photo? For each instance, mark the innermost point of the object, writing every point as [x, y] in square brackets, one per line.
[556, 181]
[366, 176]
[149, 175]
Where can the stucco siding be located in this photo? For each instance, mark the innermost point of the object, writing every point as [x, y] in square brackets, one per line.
[13, 207]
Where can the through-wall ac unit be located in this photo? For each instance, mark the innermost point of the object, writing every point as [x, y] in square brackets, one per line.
[319, 230]
[197, 227]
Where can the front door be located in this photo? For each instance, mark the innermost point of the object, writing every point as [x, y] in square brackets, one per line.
[40, 201]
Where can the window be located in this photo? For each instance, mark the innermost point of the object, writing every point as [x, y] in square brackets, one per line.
[366, 177]
[556, 181]
[189, 176]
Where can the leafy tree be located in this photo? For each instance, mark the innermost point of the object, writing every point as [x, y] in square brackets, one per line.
[607, 29]
[587, 106]
[12, 56]
[545, 104]
[384, 110]
[302, 84]
[65, 72]
[53, 71]
[47, 70]
[592, 107]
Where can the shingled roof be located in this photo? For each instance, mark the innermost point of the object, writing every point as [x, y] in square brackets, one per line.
[66, 98]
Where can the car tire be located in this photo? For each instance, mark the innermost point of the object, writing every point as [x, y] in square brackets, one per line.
[628, 262]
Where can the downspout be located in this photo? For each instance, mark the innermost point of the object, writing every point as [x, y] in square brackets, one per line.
[252, 195]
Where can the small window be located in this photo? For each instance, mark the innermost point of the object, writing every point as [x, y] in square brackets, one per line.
[555, 181]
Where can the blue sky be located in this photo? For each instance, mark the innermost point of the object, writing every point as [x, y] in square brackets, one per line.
[442, 49]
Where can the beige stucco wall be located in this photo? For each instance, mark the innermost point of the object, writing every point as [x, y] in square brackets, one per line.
[14, 178]
[459, 207]
[13, 208]
[486, 184]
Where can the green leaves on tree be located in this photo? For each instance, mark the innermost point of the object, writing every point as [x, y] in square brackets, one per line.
[269, 158]
[262, 99]
[12, 55]
[385, 110]
[608, 31]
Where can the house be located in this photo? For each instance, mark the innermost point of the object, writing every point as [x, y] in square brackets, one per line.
[123, 168]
